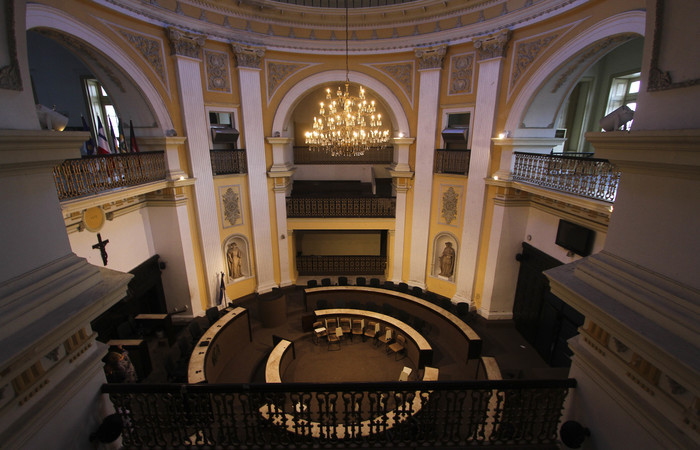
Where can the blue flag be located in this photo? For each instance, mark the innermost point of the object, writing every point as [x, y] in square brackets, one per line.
[222, 291]
[88, 147]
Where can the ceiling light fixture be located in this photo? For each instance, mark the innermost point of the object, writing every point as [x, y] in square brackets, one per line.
[348, 125]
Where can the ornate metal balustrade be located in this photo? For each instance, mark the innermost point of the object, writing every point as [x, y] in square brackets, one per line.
[224, 162]
[513, 413]
[452, 161]
[586, 177]
[302, 155]
[341, 207]
[341, 265]
[94, 174]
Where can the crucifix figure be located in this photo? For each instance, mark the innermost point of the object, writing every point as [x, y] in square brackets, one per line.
[101, 245]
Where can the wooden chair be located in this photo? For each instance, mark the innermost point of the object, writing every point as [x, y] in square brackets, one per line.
[387, 337]
[342, 281]
[334, 338]
[358, 328]
[398, 347]
[346, 325]
[319, 331]
[331, 325]
[371, 331]
[325, 282]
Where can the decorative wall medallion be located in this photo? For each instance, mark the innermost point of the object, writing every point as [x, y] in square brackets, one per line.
[590, 55]
[402, 73]
[277, 71]
[231, 206]
[94, 219]
[461, 74]
[449, 210]
[151, 49]
[216, 68]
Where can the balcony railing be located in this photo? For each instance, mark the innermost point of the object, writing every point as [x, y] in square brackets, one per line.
[583, 176]
[302, 155]
[341, 265]
[512, 413]
[341, 207]
[95, 174]
[452, 161]
[225, 162]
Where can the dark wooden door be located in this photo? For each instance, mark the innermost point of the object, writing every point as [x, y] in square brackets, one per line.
[542, 318]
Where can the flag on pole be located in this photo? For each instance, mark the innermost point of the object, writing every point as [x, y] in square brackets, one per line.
[122, 140]
[134, 145]
[222, 291]
[102, 144]
[88, 147]
[113, 136]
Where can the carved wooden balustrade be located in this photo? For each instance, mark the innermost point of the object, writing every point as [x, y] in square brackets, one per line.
[436, 414]
[452, 161]
[302, 155]
[225, 162]
[341, 265]
[94, 174]
[582, 176]
[341, 207]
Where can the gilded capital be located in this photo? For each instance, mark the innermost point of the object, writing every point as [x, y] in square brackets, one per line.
[431, 57]
[185, 44]
[250, 57]
[492, 46]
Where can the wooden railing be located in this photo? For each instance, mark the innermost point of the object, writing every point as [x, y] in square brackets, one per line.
[95, 174]
[582, 176]
[409, 414]
[452, 161]
[303, 155]
[341, 265]
[341, 207]
[224, 162]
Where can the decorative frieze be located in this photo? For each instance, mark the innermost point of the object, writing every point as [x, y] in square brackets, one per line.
[277, 72]
[216, 67]
[185, 44]
[526, 52]
[401, 73]
[249, 57]
[492, 46]
[151, 49]
[430, 57]
[461, 74]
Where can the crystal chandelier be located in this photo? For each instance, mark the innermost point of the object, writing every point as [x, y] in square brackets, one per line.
[348, 125]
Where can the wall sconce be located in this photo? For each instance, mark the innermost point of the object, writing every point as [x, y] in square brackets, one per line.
[400, 134]
[495, 178]
[505, 134]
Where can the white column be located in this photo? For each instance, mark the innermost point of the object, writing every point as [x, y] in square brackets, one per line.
[249, 62]
[281, 172]
[429, 65]
[187, 49]
[490, 52]
[171, 147]
[401, 174]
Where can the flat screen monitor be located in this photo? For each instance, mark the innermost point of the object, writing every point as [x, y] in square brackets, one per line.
[574, 237]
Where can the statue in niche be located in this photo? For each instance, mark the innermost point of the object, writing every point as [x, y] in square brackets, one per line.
[447, 260]
[233, 259]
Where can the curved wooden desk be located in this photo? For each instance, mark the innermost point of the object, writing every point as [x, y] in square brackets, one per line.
[451, 327]
[278, 361]
[418, 349]
[218, 345]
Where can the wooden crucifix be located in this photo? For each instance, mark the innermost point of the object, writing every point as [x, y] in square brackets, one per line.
[102, 246]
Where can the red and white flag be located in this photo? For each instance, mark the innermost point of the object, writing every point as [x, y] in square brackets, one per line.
[102, 144]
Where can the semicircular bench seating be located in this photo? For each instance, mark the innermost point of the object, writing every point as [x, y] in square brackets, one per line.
[452, 328]
[293, 420]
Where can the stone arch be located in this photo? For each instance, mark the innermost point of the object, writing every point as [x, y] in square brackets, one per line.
[442, 241]
[139, 99]
[528, 106]
[243, 254]
[297, 92]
